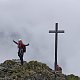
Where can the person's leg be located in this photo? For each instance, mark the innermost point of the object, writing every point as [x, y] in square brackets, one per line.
[19, 53]
[20, 56]
[21, 59]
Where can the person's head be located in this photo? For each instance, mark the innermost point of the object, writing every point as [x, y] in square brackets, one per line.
[20, 40]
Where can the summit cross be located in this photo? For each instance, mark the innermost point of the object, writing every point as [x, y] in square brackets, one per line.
[56, 31]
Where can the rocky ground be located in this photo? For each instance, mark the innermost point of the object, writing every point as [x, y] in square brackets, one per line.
[33, 70]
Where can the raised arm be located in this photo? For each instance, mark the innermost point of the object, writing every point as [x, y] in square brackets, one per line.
[27, 44]
[15, 42]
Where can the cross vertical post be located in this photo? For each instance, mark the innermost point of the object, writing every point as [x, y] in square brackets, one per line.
[56, 43]
[56, 31]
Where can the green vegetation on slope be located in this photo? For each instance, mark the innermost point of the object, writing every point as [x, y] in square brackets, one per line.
[72, 77]
[33, 70]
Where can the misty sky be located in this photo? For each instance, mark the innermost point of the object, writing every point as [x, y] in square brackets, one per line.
[31, 21]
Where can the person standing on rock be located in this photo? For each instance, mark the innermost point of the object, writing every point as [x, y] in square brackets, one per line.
[21, 49]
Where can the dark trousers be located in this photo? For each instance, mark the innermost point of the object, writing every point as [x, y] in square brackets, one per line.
[20, 54]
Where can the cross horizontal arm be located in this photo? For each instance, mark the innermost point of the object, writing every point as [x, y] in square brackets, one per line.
[60, 31]
[53, 31]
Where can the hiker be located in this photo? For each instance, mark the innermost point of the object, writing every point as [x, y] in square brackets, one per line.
[21, 49]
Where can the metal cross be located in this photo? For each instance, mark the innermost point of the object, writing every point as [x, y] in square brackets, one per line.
[56, 31]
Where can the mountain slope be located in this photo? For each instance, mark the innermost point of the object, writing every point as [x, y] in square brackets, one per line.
[33, 70]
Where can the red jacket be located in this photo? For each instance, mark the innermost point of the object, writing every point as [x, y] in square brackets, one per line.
[20, 44]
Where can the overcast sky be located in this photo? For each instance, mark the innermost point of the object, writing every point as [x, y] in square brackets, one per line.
[31, 21]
